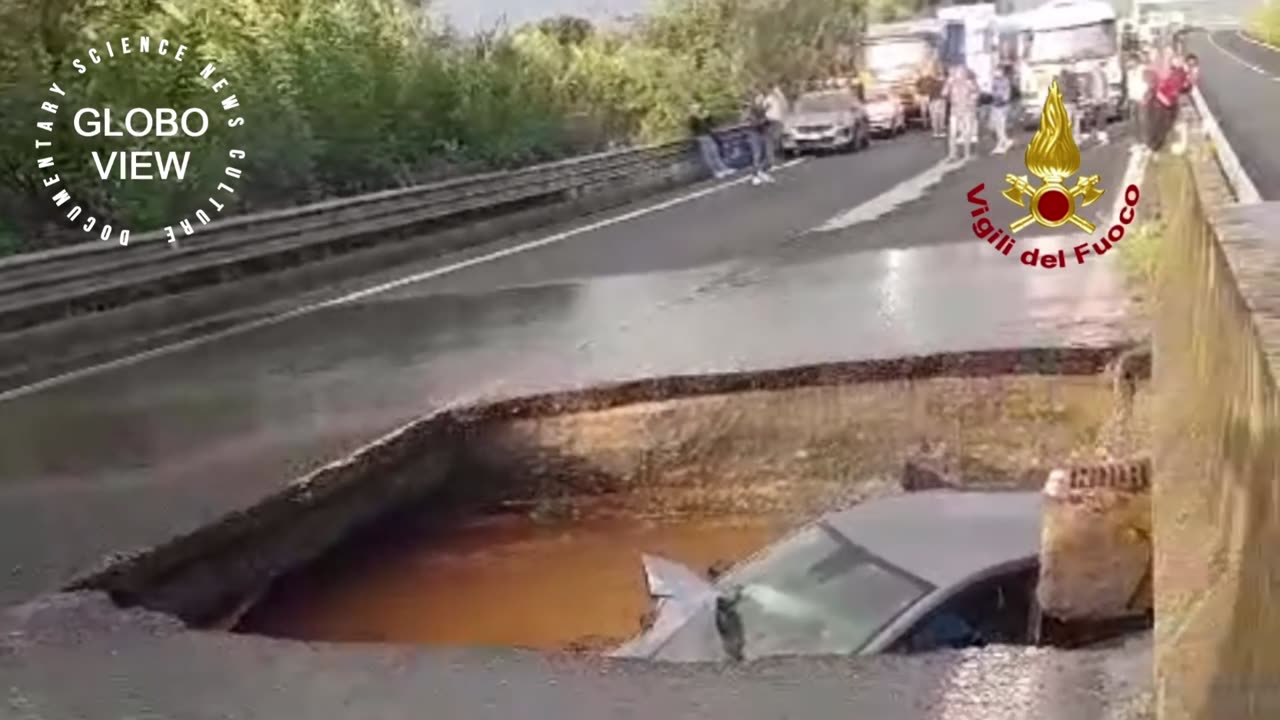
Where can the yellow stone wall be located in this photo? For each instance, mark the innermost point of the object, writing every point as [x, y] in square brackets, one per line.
[1216, 445]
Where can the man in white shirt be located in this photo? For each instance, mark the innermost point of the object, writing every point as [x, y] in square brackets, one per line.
[1137, 88]
[961, 92]
[1100, 89]
[775, 109]
[1001, 99]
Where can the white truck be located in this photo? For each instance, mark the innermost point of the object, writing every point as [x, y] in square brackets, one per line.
[1063, 33]
[971, 32]
[1156, 22]
[896, 55]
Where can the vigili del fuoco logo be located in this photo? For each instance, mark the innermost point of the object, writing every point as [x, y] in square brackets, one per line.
[1053, 157]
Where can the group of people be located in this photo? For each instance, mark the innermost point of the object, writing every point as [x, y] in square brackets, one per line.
[764, 115]
[1157, 84]
[953, 108]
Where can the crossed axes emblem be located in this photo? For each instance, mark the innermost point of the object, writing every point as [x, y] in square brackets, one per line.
[1086, 189]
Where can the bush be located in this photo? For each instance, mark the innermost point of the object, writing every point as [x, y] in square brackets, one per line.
[1265, 23]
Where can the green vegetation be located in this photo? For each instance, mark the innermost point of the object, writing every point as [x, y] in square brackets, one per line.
[1140, 258]
[1265, 23]
[348, 96]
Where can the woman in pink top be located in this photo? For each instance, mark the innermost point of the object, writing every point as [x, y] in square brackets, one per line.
[1169, 87]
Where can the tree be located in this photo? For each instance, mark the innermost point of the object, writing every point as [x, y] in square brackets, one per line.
[567, 29]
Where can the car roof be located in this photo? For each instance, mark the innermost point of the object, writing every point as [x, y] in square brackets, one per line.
[1065, 14]
[828, 92]
[945, 537]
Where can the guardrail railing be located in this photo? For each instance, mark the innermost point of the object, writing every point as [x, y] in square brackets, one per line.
[44, 287]
[1239, 180]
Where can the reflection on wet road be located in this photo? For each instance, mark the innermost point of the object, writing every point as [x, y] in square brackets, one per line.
[734, 280]
[498, 582]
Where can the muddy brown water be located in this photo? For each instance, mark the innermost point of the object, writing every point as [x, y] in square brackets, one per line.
[500, 581]
[700, 480]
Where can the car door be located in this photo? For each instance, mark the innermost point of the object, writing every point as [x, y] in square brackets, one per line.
[997, 610]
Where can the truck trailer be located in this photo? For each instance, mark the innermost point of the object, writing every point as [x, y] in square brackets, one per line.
[896, 56]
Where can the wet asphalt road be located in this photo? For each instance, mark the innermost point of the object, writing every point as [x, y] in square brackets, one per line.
[735, 279]
[143, 668]
[1240, 80]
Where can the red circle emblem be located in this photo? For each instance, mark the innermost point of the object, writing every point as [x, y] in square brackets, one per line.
[1054, 206]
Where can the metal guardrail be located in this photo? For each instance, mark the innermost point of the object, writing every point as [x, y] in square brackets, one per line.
[1241, 184]
[40, 288]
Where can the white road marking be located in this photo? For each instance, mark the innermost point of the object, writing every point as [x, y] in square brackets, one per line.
[910, 189]
[1134, 172]
[1237, 58]
[375, 290]
[1255, 41]
[1245, 189]
[915, 187]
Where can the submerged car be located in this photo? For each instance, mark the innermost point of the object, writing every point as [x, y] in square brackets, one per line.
[827, 120]
[886, 114]
[911, 573]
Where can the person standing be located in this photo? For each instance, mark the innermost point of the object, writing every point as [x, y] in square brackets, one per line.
[1163, 112]
[701, 128]
[1137, 90]
[1001, 100]
[934, 106]
[1191, 74]
[758, 130]
[962, 95]
[776, 107]
[1101, 102]
[1069, 86]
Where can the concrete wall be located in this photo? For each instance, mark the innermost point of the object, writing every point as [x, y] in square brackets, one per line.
[1216, 450]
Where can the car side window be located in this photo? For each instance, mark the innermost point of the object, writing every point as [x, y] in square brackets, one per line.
[996, 610]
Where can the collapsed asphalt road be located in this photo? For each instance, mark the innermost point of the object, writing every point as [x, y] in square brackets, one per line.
[731, 280]
[864, 256]
[144, 667]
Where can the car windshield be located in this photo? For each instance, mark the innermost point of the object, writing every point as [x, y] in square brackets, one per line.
[1076, 43]
[816, 593]
[824, 102]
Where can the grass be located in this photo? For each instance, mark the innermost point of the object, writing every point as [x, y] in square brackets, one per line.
[1140, 258]
[1265, 24]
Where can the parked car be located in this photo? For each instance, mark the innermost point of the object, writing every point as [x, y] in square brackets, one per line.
[909, 573]
[826, 120]
[885, 113]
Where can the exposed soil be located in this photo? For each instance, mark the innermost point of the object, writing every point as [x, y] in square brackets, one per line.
[536, 541]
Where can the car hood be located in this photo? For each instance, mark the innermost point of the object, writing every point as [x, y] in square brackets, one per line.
[822, 118]
[684, 627]
[880, 108]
